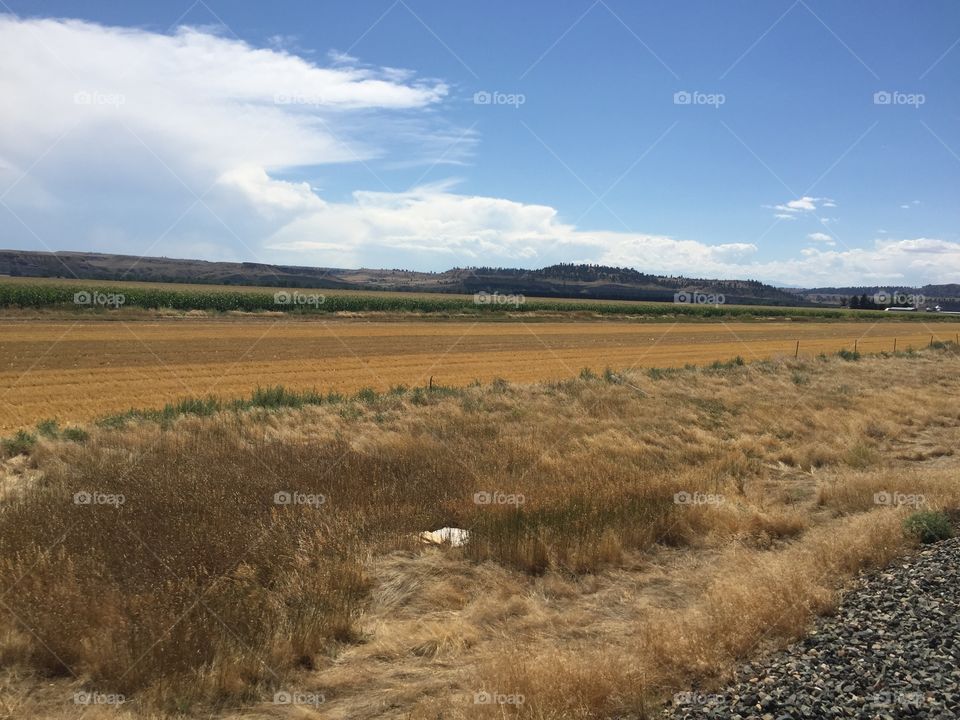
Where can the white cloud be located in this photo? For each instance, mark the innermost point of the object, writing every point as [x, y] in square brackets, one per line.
[912, 261]
[270, 197]
[806, 204]
[194, 105]
[821, 238]
[434, 224]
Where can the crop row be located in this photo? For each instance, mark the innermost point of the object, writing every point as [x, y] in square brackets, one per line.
[47, 295]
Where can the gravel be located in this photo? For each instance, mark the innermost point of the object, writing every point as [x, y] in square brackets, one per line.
[891, 651]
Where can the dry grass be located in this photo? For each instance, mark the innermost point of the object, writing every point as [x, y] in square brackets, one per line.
[599, 594]
[767, 598]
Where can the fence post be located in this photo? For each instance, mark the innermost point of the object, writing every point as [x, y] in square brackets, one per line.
[796, 352]
[431, 383]
[894, 345]
[855, 345]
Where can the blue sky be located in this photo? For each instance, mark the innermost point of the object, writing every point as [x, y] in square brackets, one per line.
[800, 143]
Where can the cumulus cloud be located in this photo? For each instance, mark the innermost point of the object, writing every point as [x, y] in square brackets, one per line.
[912, 261]
[132, 126]
[436, 225]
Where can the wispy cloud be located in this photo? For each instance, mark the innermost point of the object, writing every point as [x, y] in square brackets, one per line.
[793, 209]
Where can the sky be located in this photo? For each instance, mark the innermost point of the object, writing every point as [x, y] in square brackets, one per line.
[801, 143]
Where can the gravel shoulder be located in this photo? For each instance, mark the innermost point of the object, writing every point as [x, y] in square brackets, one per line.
[891, 651]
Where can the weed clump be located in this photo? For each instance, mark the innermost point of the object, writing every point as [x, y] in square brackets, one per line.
[75, 434]
[20, 444]
[928, 526]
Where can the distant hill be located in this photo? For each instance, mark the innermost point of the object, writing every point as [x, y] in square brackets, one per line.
[563, 280]
[947, 296]
[949, 290]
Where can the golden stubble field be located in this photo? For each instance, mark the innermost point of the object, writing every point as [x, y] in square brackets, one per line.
[77, 370]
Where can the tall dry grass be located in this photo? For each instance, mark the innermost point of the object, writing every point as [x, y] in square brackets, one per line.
[201, 589]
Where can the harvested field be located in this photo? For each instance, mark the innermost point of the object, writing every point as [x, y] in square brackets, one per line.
[79, 370]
